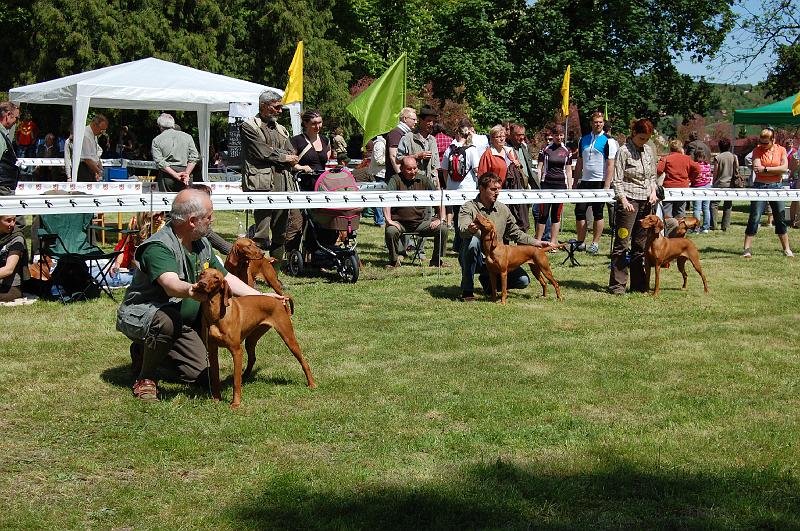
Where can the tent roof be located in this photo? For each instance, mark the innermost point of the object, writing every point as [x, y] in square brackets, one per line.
[145, 84]
[774, 114]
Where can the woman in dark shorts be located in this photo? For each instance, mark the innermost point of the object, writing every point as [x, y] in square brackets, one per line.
[555, 173]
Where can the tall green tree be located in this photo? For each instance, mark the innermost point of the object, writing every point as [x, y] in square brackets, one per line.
[244, 38]
[375, 32]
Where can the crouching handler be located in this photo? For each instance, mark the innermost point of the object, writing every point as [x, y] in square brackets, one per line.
[471, 257]
[160, 312]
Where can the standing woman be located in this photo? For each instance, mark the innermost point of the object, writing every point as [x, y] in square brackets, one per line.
[634, 185]
[769, 163]
[555, 173]
[313, 150]
[497, 159]
[498, 155]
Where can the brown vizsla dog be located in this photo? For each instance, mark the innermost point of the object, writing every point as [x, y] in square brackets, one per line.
[247, 261]
[660, 250]
[500, 259]
[683, 225]
[229, 321]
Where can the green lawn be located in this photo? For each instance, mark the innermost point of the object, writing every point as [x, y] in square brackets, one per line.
[598, 412]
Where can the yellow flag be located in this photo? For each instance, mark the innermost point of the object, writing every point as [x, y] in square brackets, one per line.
[294, 89]
[565, 93]
[796, 105]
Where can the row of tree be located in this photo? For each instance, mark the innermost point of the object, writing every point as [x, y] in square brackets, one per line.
[498, 59]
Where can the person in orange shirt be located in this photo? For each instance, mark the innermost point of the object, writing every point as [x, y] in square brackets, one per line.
[769, 164]
[27, 135]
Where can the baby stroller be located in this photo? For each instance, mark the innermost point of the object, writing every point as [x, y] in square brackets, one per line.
[329, 235]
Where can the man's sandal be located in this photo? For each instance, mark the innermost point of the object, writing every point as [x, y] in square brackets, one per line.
[145, 390]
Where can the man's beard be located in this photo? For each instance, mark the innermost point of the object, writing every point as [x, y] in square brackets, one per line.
[200, 231]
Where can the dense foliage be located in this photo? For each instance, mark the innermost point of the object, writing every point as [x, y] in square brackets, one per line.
[503, 59]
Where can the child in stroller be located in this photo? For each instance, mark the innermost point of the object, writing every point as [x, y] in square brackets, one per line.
[329, 235]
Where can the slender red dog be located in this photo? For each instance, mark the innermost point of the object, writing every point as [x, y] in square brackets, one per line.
[247, 261]
[660, 250]
[684, 225]
[229, 321]
[500, 259]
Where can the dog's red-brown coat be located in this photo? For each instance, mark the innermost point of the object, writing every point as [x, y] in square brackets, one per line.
[660, 250]
[229, 321]
[247, 262]
[500, 259]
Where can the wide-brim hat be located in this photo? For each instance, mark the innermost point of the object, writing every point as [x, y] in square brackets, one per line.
[427, 110]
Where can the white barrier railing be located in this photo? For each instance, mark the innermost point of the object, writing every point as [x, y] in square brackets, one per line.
[232, 199]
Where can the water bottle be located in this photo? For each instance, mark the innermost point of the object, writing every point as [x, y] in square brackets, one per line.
[241, 233]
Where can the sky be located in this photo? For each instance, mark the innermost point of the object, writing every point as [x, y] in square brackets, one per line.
[715, 72]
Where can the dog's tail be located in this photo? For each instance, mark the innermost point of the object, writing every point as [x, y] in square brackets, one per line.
[288, 303]
[551, 247]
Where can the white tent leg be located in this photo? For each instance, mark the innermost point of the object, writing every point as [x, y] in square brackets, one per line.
[204, 131]
[80, 110]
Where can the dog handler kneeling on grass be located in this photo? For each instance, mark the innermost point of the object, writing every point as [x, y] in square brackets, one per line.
[471, 256]
[160, 312]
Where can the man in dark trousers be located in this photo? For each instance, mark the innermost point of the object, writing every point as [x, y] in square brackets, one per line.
[268, 159]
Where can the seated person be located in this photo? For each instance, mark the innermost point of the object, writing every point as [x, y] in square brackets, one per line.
[160, 311]
[471, 258]
[13, 259]
[400, 220]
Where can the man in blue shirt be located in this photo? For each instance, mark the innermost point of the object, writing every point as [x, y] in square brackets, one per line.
[594, 169]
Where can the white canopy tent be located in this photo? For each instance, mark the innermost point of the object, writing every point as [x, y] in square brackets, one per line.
[145, 84]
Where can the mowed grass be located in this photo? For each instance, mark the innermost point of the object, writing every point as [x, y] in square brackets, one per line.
[597, 412]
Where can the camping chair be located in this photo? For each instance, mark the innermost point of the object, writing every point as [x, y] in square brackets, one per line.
[415, 245]
[65, 238]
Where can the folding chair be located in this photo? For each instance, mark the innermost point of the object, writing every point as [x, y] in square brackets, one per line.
[66, 237]
[416, 243]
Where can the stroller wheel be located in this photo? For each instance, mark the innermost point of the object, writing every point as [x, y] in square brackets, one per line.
[294, 263]
[347, 268]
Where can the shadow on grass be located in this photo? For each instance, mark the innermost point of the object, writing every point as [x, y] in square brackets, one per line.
[502, 495]
[718, 250]
[120, 376]
[581, 285]
[449, 291]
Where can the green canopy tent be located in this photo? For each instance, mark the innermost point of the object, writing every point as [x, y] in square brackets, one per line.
[778, 113]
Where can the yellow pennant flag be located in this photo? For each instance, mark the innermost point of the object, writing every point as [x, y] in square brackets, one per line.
[294, 89]
[565, 93]
[796, 105]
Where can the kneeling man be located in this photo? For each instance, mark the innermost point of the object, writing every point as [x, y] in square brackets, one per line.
[419, 219]
[160, 311]
[471, 258]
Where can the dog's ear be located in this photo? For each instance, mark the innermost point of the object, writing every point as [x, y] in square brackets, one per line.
[236, 254]
[493, 238]
[226, 294]
[659, 224]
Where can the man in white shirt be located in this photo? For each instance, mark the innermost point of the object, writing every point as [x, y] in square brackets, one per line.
[90, 168]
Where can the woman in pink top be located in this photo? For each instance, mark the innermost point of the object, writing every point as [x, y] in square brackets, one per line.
[769, 164]
[702, 207]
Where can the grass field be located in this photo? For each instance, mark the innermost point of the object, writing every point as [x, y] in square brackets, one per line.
[598, 412]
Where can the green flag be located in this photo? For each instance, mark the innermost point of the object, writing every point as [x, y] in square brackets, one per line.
[378, 107]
